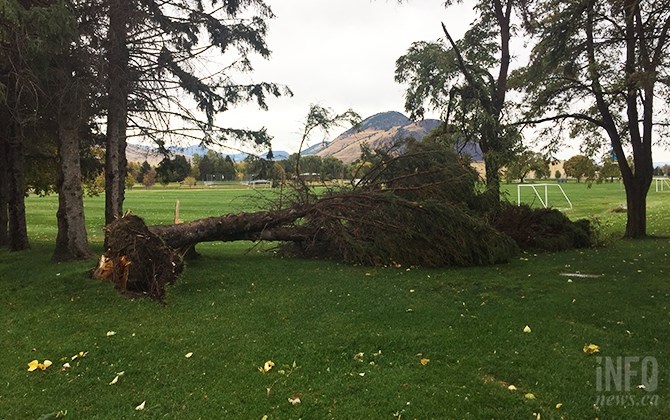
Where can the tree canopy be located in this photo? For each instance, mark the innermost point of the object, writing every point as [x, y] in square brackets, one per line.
[457, 77]
[601, 70]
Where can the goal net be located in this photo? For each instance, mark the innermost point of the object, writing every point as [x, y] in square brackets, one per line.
[662, 184]
[542, 193]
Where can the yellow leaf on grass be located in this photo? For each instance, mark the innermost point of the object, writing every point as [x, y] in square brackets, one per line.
[559, 405]
[591, 348]
[511, 388]
[141, 406]
[35, 364]
[267, 366]
[529, 396]
[424, 361]
[526, 329]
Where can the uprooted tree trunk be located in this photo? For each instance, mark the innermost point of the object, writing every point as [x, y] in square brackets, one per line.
[142, 260]
[231, 227]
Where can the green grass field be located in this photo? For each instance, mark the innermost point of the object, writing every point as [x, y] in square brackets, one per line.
[348, 341]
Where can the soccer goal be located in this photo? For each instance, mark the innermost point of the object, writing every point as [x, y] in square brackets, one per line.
[662, 184]
[542, 193]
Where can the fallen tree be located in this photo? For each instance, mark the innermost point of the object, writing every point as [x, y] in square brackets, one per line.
[418, 207]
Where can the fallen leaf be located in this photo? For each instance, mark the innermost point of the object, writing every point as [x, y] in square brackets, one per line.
[529, 396]
[111, 333]
[424, 361]
[33, 365]
[526, 329]
[591, 348]
[511, 388]
[66, 365]
[559, 405]
[141, 406]
[266, 367]
[265, 417]
[359, 356]
[115, 380]
[295, 400]
[188, 355]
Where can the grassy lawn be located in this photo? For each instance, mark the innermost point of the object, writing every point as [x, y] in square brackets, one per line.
[348, 341]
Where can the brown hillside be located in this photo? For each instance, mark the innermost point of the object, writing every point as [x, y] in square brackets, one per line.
[347, 147]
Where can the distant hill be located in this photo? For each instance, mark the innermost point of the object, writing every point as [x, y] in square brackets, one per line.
[316, 148]
[140, 153]
[276, 155]
[380, 130]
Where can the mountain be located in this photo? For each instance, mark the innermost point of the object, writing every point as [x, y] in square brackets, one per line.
[315, 148]
[380, 130]
[140, 153]
[276, 155]
[382, 121]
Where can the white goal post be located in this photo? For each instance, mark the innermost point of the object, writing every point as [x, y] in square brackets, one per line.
[544, 198]
[662, 184]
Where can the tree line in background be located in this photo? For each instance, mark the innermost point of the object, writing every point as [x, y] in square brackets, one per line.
[216, 167]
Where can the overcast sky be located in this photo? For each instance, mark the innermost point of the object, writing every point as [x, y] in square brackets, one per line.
[341, 54]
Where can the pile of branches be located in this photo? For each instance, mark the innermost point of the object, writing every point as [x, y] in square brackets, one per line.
[413, 208]
[542, 229]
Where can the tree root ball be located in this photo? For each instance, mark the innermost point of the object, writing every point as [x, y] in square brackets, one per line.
[137, 261]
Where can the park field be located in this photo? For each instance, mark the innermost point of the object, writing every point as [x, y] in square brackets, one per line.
[345, 342]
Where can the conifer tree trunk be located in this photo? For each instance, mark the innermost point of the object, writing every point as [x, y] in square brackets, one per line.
[115, 159]
[4, 191]
[17, 230]
[72, 240]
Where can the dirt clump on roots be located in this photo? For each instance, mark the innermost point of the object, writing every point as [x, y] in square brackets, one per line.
[137, 261]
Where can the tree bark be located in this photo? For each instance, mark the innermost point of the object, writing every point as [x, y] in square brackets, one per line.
[231, 227]
[4, 190]
[17, 229]
[117, 112]
[636, 215]
[72, 240]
